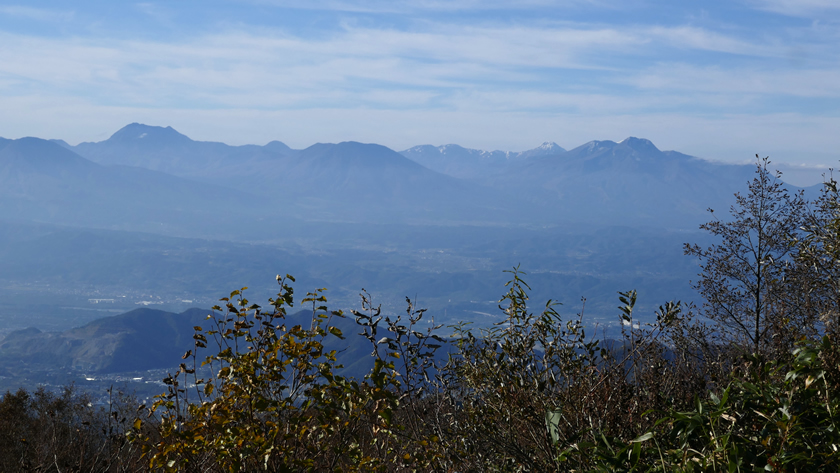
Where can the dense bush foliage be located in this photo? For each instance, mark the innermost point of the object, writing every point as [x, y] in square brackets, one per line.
[747, 382]
[45, 431]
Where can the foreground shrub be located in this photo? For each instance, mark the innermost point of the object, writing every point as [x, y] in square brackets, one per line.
[46, 431]
[783, 418]
[532, 393]
[270, 399]
[258, 392]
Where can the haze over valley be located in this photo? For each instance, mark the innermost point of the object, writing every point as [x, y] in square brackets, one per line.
[150, 218]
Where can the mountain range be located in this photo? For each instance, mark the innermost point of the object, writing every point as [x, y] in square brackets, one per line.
[152, 216]
[156, 179]
[628, 182]
[465, 163]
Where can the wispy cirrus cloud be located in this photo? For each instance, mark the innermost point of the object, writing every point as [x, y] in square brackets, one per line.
[242, 63]
[702, 39]
[754, 82]
[430, 71]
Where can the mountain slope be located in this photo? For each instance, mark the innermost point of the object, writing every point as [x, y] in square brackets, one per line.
[366, 180]
[138, 340]
[144, 339]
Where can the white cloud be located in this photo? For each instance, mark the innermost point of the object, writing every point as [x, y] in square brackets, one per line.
[690, 37]
[742, 81]
[227, 68]
[281, 70]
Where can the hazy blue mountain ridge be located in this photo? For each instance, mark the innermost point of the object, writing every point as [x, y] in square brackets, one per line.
[600, 182]
[631, 182]
[360, 180]
[346, 181]
[166, 150]
[465, 163]
[42, 181]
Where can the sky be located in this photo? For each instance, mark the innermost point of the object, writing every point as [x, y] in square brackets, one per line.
[721, 80]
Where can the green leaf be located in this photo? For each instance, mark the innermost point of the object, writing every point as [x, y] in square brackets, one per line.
[643, 437]
[552, 423]
[336, 331]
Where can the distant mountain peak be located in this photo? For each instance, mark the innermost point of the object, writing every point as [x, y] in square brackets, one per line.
[138, 131]
[640, 144]
[352, 150]
[278, 147]
[548, 148]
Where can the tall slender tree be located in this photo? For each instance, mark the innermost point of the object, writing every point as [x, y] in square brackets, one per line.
[740, 275]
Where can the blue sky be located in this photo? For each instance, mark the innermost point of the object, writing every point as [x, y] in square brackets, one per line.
[720, 80]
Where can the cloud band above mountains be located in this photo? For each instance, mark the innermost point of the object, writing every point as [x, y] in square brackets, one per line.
[739, 75]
